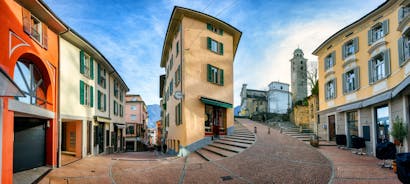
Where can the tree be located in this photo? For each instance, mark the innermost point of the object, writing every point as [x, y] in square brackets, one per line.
[312, 76]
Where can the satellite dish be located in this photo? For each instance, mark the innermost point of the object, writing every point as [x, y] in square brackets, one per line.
[178, 95]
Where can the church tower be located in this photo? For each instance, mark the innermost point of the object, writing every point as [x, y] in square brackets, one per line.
[298, 76]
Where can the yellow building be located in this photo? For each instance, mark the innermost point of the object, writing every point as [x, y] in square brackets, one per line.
[363, 76]
[197, 90]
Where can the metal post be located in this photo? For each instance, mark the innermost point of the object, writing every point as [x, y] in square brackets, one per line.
[255, 130]
[268, 130]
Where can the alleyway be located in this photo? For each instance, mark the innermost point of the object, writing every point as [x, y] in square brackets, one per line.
[274, 158]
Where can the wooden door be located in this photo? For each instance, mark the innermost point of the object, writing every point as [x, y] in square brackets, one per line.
[332, 132]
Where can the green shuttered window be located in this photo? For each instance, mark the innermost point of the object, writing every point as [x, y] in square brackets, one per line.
[82, 62]
[81, 92]
[215, 75]
[214, 46]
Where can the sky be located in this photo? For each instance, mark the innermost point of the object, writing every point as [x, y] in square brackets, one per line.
[130, 34]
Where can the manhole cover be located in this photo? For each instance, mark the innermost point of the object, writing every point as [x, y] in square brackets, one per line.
[225, 178]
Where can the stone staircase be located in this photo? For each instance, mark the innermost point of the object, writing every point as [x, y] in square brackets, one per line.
[228, 146]
[299, 133]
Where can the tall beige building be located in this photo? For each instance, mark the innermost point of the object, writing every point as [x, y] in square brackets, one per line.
[364, 77]
[197, 90]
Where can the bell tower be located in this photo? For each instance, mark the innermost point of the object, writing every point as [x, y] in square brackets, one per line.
[298, 76]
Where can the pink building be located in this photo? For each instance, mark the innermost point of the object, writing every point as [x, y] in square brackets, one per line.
[136, 118]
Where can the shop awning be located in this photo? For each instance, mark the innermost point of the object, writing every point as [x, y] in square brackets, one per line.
[215, 102]
[103, 119]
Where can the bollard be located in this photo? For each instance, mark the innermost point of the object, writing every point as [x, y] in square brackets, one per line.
[255, 130]
[269, 130]
[281, 130]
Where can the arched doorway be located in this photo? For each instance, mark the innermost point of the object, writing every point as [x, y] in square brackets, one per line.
[32, 114]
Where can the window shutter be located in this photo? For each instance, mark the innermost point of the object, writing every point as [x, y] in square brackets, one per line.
[176, 115]
[209, 40]
[91, 96]
[387, 62]
[81, 92]
[179, 113]
[221, 76]
[344, 86]
[400, 44]
[333, 56]
[105, 102]
[98, 74]
[370, 37]
[45, 35]
[370, 70]
[91, 68]
[356, 44]
[401, 13]
[385, 27]
[82, 62]
[221, 48]
[209, 26]
[209, 73]
[357, 78]
[179, 74]
[221, 32]
[326, 64]
[344, 51]
[98, 99]
[26, 21]
[335, 85]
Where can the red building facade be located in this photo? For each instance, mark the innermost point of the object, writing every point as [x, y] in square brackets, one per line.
[29, 55]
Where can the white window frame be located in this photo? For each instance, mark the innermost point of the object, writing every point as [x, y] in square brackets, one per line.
[330, 89]
[378, 69]
[214, 46]
[86, 65]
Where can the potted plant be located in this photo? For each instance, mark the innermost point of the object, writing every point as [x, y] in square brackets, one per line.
[399, 131]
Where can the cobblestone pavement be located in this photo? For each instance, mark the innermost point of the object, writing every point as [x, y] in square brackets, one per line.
[273, 158]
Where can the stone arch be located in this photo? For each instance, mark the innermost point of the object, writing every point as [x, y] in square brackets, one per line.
[32, 75]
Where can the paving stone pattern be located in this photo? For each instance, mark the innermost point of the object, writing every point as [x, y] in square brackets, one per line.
[265, 158]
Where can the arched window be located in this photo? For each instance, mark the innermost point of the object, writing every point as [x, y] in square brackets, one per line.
[29, 79]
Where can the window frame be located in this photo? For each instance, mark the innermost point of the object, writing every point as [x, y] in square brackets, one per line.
[328, 95]
[350, 85]
[374, 66]
[215, 75]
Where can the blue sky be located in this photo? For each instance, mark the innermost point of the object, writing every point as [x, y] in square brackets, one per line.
[130, 34]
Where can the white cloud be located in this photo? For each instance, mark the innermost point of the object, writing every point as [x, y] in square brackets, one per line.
[274, 63]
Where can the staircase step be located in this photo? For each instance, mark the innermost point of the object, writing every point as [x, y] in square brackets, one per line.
[244, 136]
[227, 147]
[249, 135]
[202, 155]
[208, 155]
[236, 144]
[238, 141]
[241, 138]
[219, 151]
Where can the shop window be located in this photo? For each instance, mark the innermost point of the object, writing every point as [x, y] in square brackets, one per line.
[382, 124]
